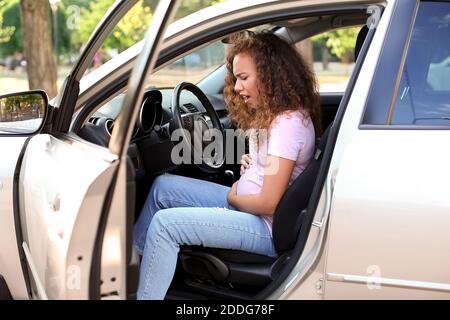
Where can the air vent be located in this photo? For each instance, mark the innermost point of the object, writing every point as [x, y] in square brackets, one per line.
[109, 124]
[191, 108]
[93, 120]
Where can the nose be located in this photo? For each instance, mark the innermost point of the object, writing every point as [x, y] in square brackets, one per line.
[238, 86]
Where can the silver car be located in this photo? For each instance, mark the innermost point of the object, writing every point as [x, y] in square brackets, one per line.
[368, 218]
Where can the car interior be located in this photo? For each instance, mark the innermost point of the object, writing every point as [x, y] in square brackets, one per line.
[210, 273]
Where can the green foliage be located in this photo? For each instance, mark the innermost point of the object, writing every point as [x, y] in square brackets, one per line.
[339, 41]
[17, 108]
[128, 31]
[5, 32]
[186, 7]
[90, 17]
[64, 35]
[131, 29]
[189, 6]
[79, 3]
[12, 19]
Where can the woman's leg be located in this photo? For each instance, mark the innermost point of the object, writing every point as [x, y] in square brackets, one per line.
[171, 191]
[209, 227]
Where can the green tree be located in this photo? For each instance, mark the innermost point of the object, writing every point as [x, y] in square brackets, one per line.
[189, 6]
[128, 31]
[186, 7]
[5, 32]
[131, 29]
[12, 21]
[90, 17]
[341, 42]
[38, 48]
[79, 3]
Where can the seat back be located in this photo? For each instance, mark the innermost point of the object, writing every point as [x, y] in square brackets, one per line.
[291, 209]
[360, 40]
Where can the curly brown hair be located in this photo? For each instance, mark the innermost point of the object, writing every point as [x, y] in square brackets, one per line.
[285, 82]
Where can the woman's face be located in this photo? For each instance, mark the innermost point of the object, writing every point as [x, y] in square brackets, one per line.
[244, 69]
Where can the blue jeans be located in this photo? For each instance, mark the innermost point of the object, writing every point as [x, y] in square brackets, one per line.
[185, 211]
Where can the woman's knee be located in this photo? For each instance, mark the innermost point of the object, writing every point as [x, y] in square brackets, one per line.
[160, 188]
[161, 183]
[162, 219]
[163, 225]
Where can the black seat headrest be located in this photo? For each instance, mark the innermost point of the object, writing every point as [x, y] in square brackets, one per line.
[360, 40]
[288, 214]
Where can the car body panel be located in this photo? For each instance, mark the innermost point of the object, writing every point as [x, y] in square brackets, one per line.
[66, 188]
[11, 270]
[387, 235]
[62, 188]
[10, 267]
[306, 280]
[390, 227]
[116, 233]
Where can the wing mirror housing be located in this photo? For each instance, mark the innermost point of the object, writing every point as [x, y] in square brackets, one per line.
[23, 113]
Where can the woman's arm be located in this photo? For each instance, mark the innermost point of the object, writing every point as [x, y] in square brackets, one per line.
[277, 174]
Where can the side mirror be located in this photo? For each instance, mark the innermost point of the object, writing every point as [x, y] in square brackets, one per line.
[23, 113]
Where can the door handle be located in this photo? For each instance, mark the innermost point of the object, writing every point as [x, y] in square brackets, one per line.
[49, 147]
[329, 187]
[56, 205]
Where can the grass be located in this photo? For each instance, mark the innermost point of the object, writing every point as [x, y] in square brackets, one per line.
[11, 81]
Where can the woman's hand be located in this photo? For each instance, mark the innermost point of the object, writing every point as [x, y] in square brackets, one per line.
[246, 161]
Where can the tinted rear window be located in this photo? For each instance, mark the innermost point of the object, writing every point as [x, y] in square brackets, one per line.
[423, 96]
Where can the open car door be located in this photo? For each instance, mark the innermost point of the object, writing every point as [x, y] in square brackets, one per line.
[70, 195]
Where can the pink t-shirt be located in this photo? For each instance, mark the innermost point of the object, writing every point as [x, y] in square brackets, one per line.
[291, 136]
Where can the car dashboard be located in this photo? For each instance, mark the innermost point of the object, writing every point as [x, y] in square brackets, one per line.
[151, 146]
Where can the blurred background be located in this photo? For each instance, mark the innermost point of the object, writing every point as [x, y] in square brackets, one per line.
[40, 40]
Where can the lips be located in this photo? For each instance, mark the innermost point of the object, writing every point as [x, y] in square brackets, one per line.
[245, 97]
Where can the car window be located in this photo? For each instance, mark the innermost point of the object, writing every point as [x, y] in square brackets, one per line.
[191, 68]
[331, 56]
[128, 31]
[71, 23]
[132, 27]
[423, 96]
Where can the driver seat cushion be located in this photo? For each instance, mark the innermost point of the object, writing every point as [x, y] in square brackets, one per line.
[233, 256]
[250, 269]
[229, 267]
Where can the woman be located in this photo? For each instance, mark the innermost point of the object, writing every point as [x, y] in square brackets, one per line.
[269, 89]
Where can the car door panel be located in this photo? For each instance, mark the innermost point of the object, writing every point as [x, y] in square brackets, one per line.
[72, 194]
[63, 185]
[388, 230]
[9, 255]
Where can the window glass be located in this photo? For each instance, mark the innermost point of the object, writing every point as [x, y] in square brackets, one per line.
[423, 96]
[129, 30]
[192, 67]
[332, 57]
[68, 25]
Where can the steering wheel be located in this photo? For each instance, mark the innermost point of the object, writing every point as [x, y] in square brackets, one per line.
[198, 130]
